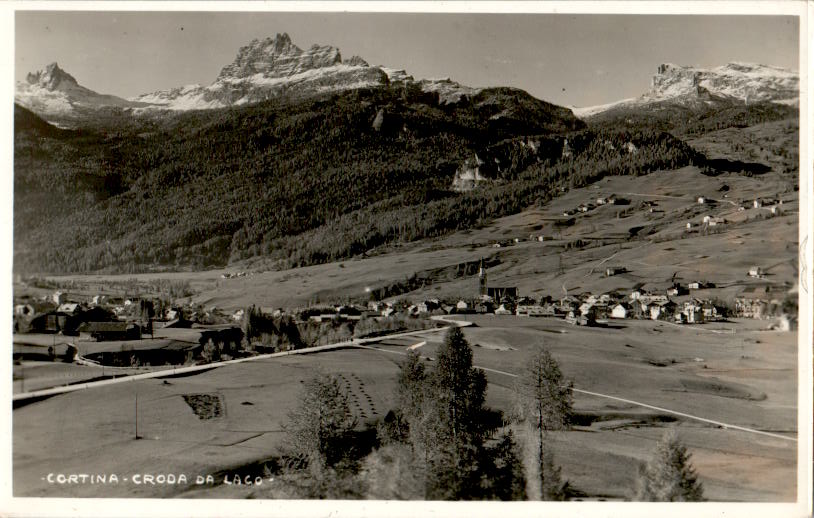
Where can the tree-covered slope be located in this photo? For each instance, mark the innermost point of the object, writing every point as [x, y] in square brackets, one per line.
[300, 182]
[693, 118]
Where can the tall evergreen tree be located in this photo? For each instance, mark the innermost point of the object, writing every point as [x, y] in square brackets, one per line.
[320, 425]
[441, 415]
[456, 429]
[545, 402]
[669, 476]
[505, 476]
[460, 391]
[411, 393]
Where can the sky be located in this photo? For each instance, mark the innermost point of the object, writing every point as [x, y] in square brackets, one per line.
[572, 60]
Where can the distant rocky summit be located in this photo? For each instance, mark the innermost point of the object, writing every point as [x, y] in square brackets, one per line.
[52, 78]
[264, 69]
[278, 57]
[742, 81]
[268, 68]
[53, 91]
[733, 82]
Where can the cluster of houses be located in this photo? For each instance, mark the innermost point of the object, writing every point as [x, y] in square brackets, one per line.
[761, 301]
[601, 200]
[509, 242]
[588, 309]
[101, 317]
[233, 275]
[770, 204]
[674, 304]
[113, 318]
[774, 206]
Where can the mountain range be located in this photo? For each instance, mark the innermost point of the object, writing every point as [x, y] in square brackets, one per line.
[273, 68]
[295, 157]
[265, 69]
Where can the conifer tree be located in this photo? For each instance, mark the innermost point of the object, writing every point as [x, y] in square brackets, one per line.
[411, 393]
[459, 390]
[319, 427]
[669, 476]
[506, 478]
[545, 401]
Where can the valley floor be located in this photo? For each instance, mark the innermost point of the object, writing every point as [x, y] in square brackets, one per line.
[736, 372]
[746, 378]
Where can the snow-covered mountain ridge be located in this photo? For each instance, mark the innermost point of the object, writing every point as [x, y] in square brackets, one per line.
[55, 92]
[743, 82]
[263, 69]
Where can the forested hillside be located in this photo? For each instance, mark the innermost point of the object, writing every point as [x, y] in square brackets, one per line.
[693, 119]
[298, 182]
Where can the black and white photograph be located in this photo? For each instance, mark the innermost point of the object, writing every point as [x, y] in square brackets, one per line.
[454, 252]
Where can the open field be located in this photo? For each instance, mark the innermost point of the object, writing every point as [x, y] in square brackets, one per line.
[37, 375]
[92, 431]
[746, 379]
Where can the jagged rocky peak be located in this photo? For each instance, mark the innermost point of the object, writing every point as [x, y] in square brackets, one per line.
[356, 61]
[51, 78]
[56, 96]
[267, 68]
[279, 57]
[735, 81]
[665, 67]
[745, 81]
[673, 80]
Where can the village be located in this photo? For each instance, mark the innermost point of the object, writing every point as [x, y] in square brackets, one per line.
[677, 303]
[194, 331]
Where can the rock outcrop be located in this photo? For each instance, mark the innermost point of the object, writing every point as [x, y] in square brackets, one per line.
[356, 61]
[449, 92]
[469, 175]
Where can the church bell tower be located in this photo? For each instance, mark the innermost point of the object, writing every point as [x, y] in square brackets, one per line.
[482, 278]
